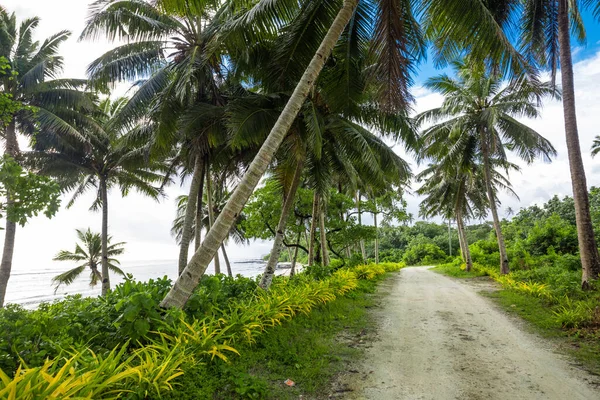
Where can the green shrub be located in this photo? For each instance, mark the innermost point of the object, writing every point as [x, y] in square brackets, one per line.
[423, 253]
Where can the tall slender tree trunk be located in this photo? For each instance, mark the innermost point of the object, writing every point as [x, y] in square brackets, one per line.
[12, 149]
[295, 257]
[190, 211]
[227, 263]
[460, 242]
[376, 235]
[323, 234]
[211, 216]
[288, 204]
[492, 199]
[466, 252]
[187, 282]
[199, 216]
[313, 229]
[590, 260]
[105, 273]
[361, 242]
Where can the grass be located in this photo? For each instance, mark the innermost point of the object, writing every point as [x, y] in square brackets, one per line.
[306, 350]
[452, 270]
[540, 313]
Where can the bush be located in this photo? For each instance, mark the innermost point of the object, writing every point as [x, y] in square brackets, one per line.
[423, 253]
[166, 344]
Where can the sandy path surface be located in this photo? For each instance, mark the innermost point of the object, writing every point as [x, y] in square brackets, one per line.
[439, 339]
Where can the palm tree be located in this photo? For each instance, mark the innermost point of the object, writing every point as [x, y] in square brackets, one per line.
[46, 104]
[111, 155]
[458, 190]
[479, 114]
[166, 58]
[395, 43]
[89, 253]
[545, 34]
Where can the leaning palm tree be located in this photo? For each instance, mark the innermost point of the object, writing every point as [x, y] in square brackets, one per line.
[110, 156]
[46, 104]
[89, 253]
[479, 114]
[392, 32]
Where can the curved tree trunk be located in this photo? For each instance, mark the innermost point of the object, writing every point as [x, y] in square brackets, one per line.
[362, 242]
[187, 282]
[105, 274]
[190, 211]
[323, 234]
[288, 203]
[211, 216]
[313, 229]
[199, 216]
[590, 260]
[466, 252]
[491, 198]
[227, 264]
[12, 149]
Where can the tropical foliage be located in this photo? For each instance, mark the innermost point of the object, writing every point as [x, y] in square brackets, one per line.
[151, 367]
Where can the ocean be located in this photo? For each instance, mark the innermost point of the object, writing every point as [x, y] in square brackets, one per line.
[30, 288]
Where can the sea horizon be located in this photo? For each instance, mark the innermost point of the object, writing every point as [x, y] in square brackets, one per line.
[29, 288]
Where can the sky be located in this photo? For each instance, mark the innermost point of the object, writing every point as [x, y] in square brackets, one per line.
[145, 224]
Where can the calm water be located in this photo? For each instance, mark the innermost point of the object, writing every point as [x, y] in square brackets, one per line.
[35, 286]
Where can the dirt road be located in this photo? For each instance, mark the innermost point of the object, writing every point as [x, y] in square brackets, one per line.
[439, 339]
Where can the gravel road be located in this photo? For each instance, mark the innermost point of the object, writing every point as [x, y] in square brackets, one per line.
[439, 339]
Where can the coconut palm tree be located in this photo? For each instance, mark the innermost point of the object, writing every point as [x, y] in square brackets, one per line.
[89, 253]
[110, 156]
[453, 191]
[479, 114]
[545, 28]
[395, 42]
[166, 58]
[45, 103]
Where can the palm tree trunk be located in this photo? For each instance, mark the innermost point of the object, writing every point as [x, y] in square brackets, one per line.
[199, 216]
[12, 149]
[376, 235]
[227, 264]
[362, 242]
[323, 234]
[492, 200]
[288, 203]
[190, 210]
[105, 275]
[460, 242]
[295, 257]
[590, 260]
[211, 216]
[313, 229]
[187, 282]
[462, 236]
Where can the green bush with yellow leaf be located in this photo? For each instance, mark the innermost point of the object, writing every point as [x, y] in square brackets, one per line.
[150, 366]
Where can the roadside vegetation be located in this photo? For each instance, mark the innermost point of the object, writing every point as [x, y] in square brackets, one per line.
[281, 119]
[120, 345]
[544, 285]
